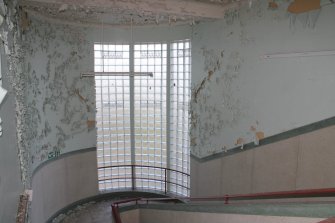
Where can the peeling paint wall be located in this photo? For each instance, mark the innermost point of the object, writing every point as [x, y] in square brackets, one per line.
[60, 106]
[59, 103]
[238, 96]
[10, 172]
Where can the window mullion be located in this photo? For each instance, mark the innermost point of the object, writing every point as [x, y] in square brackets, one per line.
[132, 113]
[168, 108]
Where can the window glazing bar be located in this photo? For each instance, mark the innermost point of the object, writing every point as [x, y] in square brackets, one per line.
[132, 118]
[168, 115]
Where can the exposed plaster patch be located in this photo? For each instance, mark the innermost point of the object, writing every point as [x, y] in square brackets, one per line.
[273, 5]
[97, 15]
[257, 135]
[300, 6]
[90, 124]
[213, 105]
[240, 141]
[22, 209]
[260, 135]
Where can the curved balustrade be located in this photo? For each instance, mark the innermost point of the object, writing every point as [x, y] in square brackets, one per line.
[164, 178]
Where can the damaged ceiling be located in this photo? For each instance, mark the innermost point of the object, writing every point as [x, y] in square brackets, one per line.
[142, 12]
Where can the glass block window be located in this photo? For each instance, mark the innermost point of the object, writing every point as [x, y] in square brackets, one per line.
[142, 120]
[180, 75]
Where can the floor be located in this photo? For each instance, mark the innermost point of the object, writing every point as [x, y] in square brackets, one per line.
[100, 211]
[93, 212]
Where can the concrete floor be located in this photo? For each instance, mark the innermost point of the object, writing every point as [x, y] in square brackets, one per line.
[99, 211]
[93, 212]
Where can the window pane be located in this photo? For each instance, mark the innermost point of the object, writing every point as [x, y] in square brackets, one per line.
[112, 116]
[180, 97]
[149, 112]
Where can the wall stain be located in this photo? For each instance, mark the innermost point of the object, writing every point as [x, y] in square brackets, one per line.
[213, 106]
[90, 124]
[260, 135]
[240, 141]
[272, 5]
[196, 91]
[300, 6]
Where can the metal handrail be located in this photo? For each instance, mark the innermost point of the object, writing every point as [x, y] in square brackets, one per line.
[144, 166]
[133, 175]
[329, 220]
[272, 195]
[226, 198]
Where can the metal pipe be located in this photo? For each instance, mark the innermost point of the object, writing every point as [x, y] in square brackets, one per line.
[133, 177]
[165, 181]
[269, 195]
[131, 74]
[116, 213]
[299, 54]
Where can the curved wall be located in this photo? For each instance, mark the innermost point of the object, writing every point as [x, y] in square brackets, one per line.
[305, 161]
[62, 181]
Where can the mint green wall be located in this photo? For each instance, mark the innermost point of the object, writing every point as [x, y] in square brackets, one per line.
[237, 93]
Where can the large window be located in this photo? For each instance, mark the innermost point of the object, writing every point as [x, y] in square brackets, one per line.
[142, 99]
